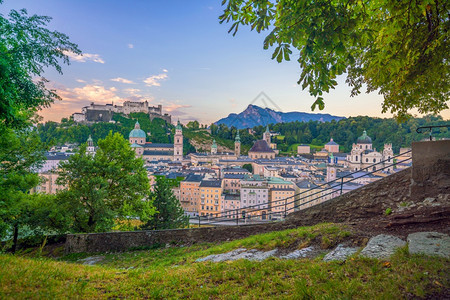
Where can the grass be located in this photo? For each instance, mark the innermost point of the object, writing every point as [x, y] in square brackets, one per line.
[172, 273]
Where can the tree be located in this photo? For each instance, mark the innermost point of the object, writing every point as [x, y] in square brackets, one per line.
[20, 154]
[398, 48]
[248, 167]
[105, 188]
[26, 49]
[170, 214]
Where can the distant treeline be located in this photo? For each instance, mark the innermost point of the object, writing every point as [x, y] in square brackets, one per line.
[344, 132]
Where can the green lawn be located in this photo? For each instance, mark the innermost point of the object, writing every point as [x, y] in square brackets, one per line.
[172, 273]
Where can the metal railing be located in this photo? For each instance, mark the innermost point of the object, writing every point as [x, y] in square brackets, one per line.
[289, 204]
[423, 129]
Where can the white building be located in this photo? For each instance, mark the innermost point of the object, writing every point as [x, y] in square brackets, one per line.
[363, 155]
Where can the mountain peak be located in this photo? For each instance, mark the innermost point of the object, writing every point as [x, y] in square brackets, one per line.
[255, 115]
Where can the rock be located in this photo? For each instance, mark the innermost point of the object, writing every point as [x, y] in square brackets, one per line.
[429, 243]
[429, 200]
[298, 253]
[382, 246]
[340, 253]
[91, 260]
[221, 257]
[240, 253]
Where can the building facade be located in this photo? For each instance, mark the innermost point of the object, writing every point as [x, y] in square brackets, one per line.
[364, 156]
[156, 151]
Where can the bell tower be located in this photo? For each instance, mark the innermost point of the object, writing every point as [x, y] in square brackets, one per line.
[178, 143]
[266, 135]
[237, 145]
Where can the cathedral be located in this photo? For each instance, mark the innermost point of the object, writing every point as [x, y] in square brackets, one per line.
[154, 151]
[363, 155]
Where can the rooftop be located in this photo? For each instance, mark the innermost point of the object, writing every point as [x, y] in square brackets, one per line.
[261, 146]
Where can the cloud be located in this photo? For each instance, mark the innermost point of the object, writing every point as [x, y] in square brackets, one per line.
[165, 70]
[122, 80]
[154, 80]
[131, 46]
[74, 99]
[84, 57]
[81, 81]
[96, 93]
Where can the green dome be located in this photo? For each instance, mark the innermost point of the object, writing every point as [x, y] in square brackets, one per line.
[137, 132]
[238, 138]
[364, 139]
[214, 145]
[178, 125]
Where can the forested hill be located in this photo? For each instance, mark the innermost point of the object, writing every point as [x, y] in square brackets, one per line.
[344, 132]
[69, 132]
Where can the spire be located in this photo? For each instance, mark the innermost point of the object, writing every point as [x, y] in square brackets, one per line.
[90, 142]
[238, 138]
[267, 128]
[178, 125]
[137, 126]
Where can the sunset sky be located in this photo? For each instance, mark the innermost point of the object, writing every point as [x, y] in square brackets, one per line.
[174, 53]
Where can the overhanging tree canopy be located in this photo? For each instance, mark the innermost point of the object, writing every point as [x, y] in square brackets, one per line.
[27, 47]
[398, 48]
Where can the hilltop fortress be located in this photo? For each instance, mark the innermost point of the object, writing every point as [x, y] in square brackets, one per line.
[104, 112]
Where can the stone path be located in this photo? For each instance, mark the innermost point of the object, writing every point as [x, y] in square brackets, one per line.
[381, 247]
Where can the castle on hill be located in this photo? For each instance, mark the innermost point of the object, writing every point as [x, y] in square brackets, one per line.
[104, 112]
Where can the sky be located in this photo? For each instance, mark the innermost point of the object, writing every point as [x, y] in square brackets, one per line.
[175, 53]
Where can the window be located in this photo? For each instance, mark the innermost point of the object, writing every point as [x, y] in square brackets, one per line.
[374, 160]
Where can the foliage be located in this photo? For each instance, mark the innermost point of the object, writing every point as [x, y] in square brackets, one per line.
[169, 213]
[398, 48]
[27, 48]
[110, 185]
[19, 154]
[54, 133]
[345, 132]
[248, 167]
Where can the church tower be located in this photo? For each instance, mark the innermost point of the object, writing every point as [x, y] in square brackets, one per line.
[214, 147]
[90, 146]
[331, 169]
[237, 145]
[178, 143]
[266, 135]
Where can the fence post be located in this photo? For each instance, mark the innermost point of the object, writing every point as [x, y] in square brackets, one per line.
[237, 217]
[342, 183]
[285, 208]
[198, 220]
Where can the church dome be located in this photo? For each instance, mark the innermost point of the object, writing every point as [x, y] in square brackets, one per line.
[364, 139]
[137, 132]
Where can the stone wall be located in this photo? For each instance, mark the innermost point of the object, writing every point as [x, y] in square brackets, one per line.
[431, 167]
[122, 241]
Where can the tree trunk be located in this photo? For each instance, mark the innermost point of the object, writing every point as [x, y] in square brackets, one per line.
[15, 236]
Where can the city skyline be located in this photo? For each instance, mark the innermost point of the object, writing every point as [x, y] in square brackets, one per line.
[178, 55]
